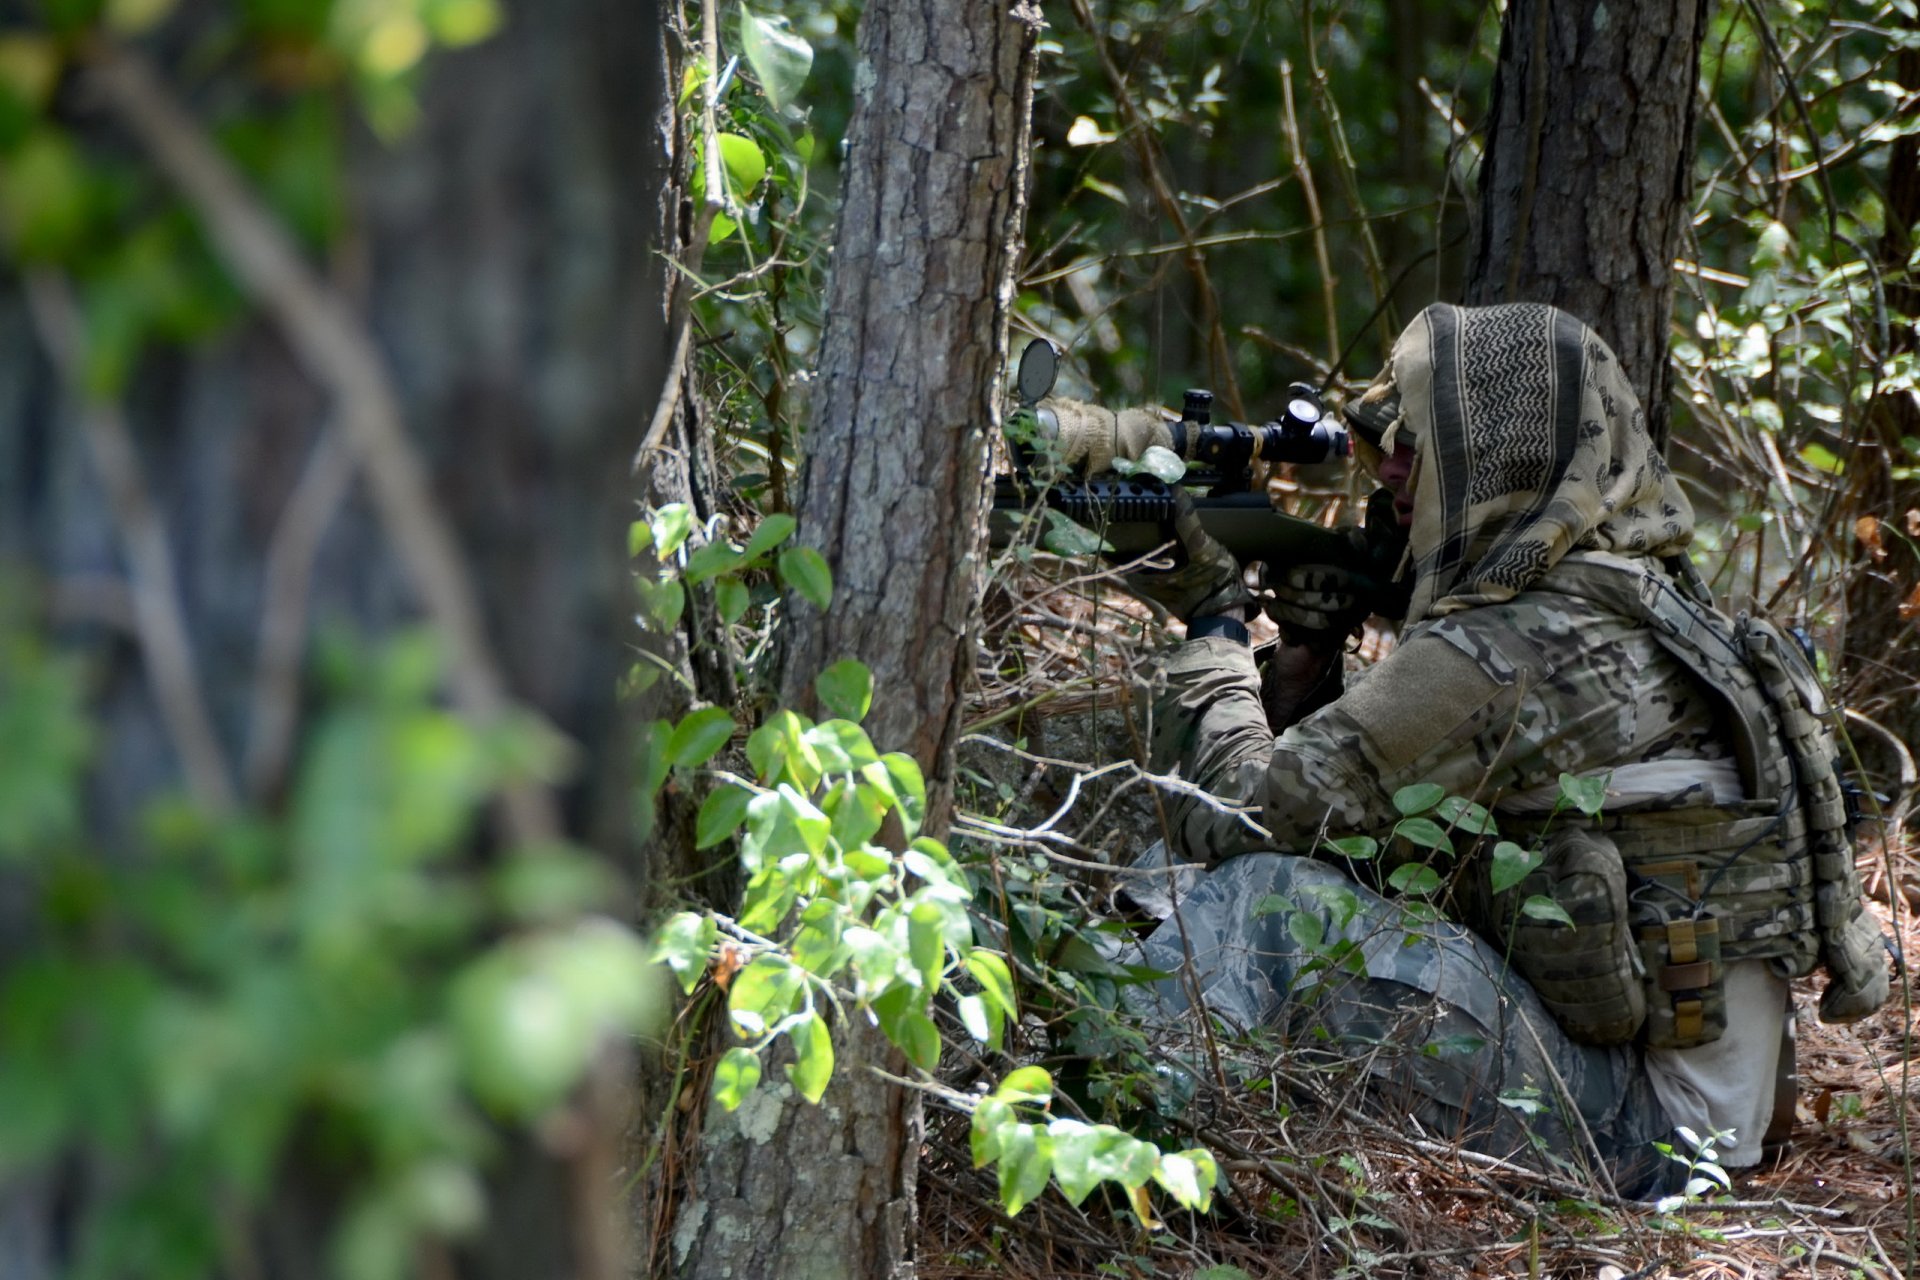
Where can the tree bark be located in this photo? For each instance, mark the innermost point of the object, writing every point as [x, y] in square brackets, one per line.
[1589, 166]
[893, 496]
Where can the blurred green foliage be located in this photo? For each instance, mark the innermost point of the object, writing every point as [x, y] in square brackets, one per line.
[336, 993]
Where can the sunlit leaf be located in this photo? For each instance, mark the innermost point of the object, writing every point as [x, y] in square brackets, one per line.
[736, 1075]
[812, 1067]
[780, 58]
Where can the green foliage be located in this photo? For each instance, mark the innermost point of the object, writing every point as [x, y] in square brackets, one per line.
[834, 919]
[214, 1002]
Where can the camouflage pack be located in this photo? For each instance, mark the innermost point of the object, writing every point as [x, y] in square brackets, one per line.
[1769, 878]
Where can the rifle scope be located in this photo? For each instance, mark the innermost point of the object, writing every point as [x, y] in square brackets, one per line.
[1304, 435]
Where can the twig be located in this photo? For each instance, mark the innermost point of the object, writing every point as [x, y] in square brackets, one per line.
[296, 541]
[1291, 123]
[157, 617]
[1144, 142]
[338, 353]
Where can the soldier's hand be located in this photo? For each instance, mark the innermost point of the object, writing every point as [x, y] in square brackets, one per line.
[1315, 601]
[1205, 578]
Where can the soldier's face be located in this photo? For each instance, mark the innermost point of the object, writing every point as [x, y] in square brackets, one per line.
[1396, 475]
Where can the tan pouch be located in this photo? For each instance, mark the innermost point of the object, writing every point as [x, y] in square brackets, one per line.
[1685, 982]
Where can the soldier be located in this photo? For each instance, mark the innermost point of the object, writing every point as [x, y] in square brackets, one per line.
[1546, 548]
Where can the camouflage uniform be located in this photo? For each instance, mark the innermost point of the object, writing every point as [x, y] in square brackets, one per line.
[1530, 449]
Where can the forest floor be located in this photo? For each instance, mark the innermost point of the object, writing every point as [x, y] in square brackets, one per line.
[1834, 1204]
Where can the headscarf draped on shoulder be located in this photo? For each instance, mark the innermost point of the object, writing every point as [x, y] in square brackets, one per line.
[1530, 443]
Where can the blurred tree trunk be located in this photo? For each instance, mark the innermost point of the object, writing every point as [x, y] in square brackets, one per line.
[1589, 166]
[893, 496]
[499, 260]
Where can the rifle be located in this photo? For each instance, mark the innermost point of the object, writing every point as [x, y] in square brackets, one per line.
[1127, 516]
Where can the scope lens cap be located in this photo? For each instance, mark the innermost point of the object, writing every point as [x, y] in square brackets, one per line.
[1039, 368]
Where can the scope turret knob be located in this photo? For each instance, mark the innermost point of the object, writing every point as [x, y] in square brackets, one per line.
[1197, 406]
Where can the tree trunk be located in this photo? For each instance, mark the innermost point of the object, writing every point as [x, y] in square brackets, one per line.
[1589, 166]
[893, 496]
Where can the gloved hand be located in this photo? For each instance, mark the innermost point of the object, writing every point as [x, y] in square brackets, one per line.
[1208, 579]
[1316, 604]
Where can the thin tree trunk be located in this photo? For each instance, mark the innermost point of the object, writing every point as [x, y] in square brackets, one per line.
[1589, 165]
[893, 496]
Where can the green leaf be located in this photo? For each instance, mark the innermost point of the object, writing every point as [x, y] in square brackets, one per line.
[1424, 833]
[1307, 929]
[45, 196]
[991, 1118]
[849, 742]
[1075, 1147]
[683, 945]
[858, 811]
[1026, 1160]
[745, 163]
[995, 979]
[697, 738]
[926, 938]
[782, 822]
[671, 525]
[1358, 848]
[812, 1066]
[919, 1039]
[763, 992]
[732, 597]
[1821, 458]
[772, 531]
[1464, 815]
[846, 689]
[1025, 1084]
[1414, 878]
[1163, 464]
[639, 537]
[735, 1077]
[1541, 907]
[457, 23]
[780, 58]
[1418, 798]
[1587, 795]
[661, 601]
[721, 814]
[910, 786]
[1065, 537]
[1189, 1177]
[1511, 865]
[981, 1021]
[820, 946]
[805, 570]
[711, 560]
